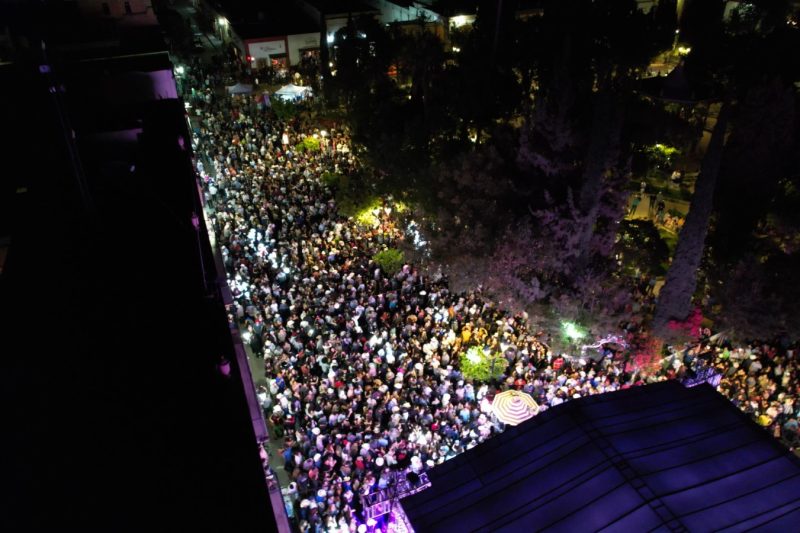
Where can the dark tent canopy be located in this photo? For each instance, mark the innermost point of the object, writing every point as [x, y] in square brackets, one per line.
[655, 458]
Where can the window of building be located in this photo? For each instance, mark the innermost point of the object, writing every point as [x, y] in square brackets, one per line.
[106, 9]
[128, 10]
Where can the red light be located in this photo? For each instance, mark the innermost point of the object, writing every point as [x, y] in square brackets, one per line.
[249, 58]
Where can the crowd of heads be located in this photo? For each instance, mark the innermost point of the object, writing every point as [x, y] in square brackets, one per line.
[759, 378]
[362, 365]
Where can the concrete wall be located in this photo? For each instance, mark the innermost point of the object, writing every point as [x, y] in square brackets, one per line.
[391, 12]
[141, 10]
[299, 42]
[291, 45]
[266, 47]
[334, 24]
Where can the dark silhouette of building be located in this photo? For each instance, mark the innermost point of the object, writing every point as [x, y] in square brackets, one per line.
[113, 325]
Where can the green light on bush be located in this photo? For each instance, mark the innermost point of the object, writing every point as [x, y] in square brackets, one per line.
[400, 207]
[368, 215]
[477, 364]
[308, 144]
[572, 331]
[474, 355]
[390, 260]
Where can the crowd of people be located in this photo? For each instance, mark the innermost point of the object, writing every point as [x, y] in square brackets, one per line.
[362, 365]
[760, 378]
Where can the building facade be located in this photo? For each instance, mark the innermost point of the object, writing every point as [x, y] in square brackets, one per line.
[133, 12]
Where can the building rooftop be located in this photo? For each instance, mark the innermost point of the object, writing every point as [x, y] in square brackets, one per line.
[342, 7]
[121, 419]
[660, 457]
[252, 21]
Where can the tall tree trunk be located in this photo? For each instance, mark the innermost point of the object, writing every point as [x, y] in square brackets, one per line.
[324, 60]
[498, 25]
[601, 156]
[675, 298]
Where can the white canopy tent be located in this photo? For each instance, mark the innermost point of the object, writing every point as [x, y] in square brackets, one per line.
[293, 92]
[240, 88]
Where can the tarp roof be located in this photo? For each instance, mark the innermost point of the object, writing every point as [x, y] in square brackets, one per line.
[240, 88]
[291, 91]
[654, 458]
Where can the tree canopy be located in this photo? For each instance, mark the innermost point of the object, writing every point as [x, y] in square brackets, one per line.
[517, 140]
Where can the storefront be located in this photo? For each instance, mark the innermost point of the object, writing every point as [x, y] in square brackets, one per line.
[271, 52]
[303, 46]
[309, 53]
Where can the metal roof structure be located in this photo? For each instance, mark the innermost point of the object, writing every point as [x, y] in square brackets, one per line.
[119, 417]
[655, 458]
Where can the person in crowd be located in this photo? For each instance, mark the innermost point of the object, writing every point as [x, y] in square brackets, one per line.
[637, 199]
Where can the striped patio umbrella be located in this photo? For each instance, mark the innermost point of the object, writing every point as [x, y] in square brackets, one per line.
[513, 407]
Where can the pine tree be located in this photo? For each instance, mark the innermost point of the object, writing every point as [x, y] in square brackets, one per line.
[675, 298]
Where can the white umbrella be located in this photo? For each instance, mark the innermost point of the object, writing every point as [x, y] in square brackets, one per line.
[513, 407]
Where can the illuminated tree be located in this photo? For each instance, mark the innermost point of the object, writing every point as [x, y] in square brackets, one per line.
[390, 260]
[308, 144]
[479, 365]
